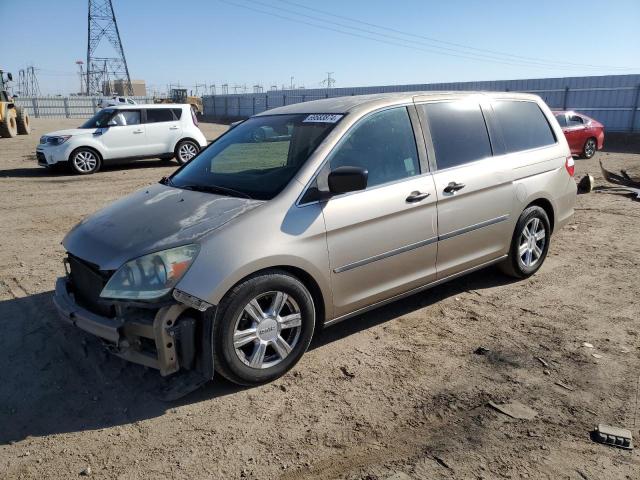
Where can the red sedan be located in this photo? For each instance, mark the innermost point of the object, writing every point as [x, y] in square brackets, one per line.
[584, 135]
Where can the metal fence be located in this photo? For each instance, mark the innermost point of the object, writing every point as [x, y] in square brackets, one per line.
[613, 100]
[69, 107]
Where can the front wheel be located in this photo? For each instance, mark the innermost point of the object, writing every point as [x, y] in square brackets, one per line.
[186, 150]
[529, 245]
[85, 161]
[590, 148]
[263, 328]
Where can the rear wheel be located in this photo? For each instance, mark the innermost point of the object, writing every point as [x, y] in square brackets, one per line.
[590, 148]
[265, 325]
[23, 121]
[186, 150]
[9, 127]
[529, 245]
[85, 161]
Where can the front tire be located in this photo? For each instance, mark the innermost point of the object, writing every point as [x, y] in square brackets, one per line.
[264, 325]
[8, 127]
[85, 161]
[590, 148]
[186, 150]
[529, 245]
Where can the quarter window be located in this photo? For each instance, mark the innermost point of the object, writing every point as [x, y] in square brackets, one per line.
[523, 125]
[383, 144]
[562, 119]
[156, 115]
[575, 121]
[458, 132]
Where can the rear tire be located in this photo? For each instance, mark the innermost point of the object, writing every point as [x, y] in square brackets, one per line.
[9, 127]
[23, 121]
[529, 245]
[590, 148]
[264, 325]
[85, 161]
[186, 150]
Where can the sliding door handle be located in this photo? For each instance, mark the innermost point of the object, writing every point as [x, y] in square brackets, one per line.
[453, 187]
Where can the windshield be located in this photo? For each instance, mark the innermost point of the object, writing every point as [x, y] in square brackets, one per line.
[258, 158]
[99, 120]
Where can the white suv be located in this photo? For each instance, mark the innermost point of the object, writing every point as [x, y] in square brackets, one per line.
[125, 132]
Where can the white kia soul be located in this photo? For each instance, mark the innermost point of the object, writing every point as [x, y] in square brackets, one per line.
[127, 132]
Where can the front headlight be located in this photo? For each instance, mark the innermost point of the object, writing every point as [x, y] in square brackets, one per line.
[58, 140]
[151, 276]
[43, 139]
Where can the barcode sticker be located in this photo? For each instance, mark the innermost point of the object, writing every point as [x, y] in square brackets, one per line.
[322, 118]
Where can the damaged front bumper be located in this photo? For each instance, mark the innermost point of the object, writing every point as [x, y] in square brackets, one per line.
[164, 339]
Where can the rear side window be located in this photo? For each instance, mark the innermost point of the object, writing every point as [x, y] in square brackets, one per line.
[523, 125]
[177, 112]
[458, 132]
[156, 115]
[575, 121]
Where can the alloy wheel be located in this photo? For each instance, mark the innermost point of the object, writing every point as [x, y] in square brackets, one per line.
[532, 242]
[85, 161]
[590, 148]
[267, 330]
[187, 151]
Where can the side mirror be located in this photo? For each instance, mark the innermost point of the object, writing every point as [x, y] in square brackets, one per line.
[347, 179]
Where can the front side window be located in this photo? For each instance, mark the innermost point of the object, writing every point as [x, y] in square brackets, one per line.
[100, 119]
[156, 115]
[383, 144]
[258, 158]
[523, 125]
[458, 132]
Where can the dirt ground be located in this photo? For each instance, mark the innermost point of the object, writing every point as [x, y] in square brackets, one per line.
[396, 393]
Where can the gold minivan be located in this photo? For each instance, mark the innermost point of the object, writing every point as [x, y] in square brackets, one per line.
[309, 214]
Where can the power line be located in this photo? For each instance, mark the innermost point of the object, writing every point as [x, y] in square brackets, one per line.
[380, 40]
[453, 44]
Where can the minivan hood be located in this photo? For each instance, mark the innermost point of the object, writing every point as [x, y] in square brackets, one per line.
[152, 219]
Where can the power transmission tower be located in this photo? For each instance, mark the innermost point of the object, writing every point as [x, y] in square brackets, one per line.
[329, 81]
[100, 68]
[28, 85]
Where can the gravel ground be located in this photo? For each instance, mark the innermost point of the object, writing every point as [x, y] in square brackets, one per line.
[395, 393]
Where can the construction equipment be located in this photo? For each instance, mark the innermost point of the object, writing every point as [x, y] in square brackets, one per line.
[13, 119]
[179, 95]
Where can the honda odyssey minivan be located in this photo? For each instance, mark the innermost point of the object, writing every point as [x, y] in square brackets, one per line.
[312, 213]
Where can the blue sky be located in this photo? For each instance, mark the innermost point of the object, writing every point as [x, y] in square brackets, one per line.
[219, 41]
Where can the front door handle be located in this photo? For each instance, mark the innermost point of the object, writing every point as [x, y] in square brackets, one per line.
[173, 128]
[417, 196]
[453, 187]
[137, 131]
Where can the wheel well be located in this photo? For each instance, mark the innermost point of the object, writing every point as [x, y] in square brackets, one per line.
[307, 280]
[86, 148]
[547, 207]
[187, 138]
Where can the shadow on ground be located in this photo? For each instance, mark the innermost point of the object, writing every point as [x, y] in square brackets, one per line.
[62, 172]
[57, 379]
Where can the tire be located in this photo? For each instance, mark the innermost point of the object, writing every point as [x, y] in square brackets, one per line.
[268, 341]
[85, 161]
[527, 256]
[590, 148]
[23, 121]
[186, 150]
[9, 127]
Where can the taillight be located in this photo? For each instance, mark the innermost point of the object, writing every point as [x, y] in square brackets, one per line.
[194, 117]
[570, 165]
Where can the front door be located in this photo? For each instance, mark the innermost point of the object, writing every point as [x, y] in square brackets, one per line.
[475, 192]
[125, 136]
[382, 241]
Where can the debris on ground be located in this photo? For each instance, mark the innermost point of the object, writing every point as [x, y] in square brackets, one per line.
[482, 351]
[624, 181]
[347, 373]
[565, 386]
[596, 355]
[515, 409]
[86, 472]
[542, 361]
[586, 184]
[614, 436]
[587, 345]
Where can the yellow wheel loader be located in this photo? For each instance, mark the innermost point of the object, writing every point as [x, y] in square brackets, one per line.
[14, 120]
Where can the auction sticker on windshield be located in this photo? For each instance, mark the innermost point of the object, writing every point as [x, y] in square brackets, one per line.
[322, 118]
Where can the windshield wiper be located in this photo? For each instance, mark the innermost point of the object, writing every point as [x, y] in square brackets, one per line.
[214, 189]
